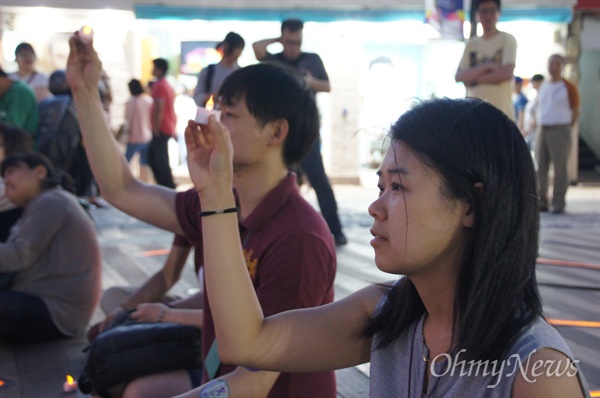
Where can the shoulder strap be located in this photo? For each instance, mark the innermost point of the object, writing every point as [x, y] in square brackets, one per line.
[31, 77]
[209, 77]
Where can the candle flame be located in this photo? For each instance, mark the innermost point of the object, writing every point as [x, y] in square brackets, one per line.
[86, 30]
[210, 104]
[70, 380]
[1, 382]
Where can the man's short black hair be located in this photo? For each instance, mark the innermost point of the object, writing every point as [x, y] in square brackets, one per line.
[485, 1]
[292, 25]
[161, 64]
[271, 93]
[537, 78]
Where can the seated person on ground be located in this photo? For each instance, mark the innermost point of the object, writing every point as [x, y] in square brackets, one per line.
[117, 299]
[52, 256]
[12, 140]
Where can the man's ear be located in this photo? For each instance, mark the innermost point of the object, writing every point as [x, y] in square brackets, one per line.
[469, 216]
[279, 132]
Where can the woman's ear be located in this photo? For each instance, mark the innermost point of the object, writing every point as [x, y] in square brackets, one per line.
[40, 172]
[469, 217]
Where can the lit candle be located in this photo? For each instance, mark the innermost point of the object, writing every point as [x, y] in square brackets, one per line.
[203, 113]
[86, 34]
[70, 384]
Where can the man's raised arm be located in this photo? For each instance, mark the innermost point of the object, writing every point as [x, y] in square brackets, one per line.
[149, 203]
[260, 47]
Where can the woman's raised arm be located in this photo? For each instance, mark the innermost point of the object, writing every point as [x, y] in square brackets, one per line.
[313, 339]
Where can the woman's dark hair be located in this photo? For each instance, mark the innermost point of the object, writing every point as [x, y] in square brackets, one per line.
[481, 158]
[135, 87]
[54, 177]
[231, 42]
[14, 140]
[24, 47]
[273, 93]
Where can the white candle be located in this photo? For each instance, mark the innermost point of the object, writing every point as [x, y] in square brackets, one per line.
[70, 384]
[86, 34]
[202, 114]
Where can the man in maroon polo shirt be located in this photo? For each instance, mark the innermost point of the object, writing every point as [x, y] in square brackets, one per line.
[288, 248]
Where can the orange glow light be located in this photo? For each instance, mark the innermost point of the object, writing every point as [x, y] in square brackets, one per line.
[210, 104]
[86, 30]
[568, 322]
[70, 380]
[159, 252]
[2, 382]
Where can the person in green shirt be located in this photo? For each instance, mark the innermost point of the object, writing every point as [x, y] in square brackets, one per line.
[18, 106]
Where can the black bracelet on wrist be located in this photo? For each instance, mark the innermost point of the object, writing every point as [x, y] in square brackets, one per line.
[210, 213]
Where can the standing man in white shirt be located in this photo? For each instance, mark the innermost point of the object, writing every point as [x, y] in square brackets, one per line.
[558, 111]
[488, 62]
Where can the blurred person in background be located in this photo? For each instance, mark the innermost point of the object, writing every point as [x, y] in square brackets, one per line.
[487, 65]
[12, 140]
[138, 126]
[52, 253]
[163, 120]
[59, 137]
[558, 111]
[519, 102]
[38, 81]
[18, 106]
[311, 68]
[530, 124]
[211, 78]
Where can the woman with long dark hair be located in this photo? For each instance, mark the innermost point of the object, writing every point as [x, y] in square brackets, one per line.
[456, 217]
[52, 253]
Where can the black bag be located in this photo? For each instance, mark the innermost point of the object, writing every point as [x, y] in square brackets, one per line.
[135, 349]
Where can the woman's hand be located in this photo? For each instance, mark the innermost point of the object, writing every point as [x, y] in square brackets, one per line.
[83, 65]
[209, 157]
[150, 312]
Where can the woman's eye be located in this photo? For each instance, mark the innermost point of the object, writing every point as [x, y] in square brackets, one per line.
[396, 186]
[380, 189]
